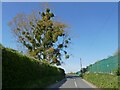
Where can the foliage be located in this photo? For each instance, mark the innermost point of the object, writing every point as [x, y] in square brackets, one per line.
[117, 52]
[20, 71]
[1, 46]
[1, 50]
[117, 72]
[71, 73]
[44, 38]
[84, 70]
[102, 80]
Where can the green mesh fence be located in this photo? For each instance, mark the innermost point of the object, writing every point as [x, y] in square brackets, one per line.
[108, 65]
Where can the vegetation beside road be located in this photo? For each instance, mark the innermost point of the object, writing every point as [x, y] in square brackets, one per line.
[21, 71]
[102, 80]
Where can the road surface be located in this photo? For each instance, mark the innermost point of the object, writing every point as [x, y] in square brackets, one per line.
[72, 81]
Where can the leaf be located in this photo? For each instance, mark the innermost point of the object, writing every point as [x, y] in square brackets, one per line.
[51, 14]
[23, 32]
[43, 14]
[18, 29]
[60, 45]
[65, 52]
[65, 46]
[66, 56]
[66, 41]
[47, 10]
[69, 38]
[31, 23]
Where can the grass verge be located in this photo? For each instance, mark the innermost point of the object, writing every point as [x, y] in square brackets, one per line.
[102, 80]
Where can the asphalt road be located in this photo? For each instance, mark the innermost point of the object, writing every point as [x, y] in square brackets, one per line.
[72, 81]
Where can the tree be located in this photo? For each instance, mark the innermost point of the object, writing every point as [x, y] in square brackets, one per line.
[44, 38]
[117, 52]
[83, 70]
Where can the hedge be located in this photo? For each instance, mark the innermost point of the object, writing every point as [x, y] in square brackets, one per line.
[21, 71]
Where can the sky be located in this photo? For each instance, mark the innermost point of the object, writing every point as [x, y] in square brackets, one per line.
[93, 28]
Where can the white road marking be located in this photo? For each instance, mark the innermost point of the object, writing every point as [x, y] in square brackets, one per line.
[75, 83]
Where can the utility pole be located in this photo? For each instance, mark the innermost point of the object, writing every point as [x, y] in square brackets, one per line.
[80, 64]
[81, 74]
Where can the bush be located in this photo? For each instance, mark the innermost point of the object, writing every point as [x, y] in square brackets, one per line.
[20, 71]
[117, 72]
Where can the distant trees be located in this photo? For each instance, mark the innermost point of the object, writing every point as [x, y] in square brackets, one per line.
[83, 70]
[44, 38]
[71, 73]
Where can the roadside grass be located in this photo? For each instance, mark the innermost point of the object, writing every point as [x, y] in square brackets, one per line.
[102, 80]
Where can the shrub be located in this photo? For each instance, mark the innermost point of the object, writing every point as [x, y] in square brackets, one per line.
[21, 71]
[117, 72]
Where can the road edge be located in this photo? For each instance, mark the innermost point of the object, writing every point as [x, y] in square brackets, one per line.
[55, 84]
[90, 84]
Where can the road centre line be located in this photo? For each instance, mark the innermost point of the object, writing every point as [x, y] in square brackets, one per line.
[75, 83]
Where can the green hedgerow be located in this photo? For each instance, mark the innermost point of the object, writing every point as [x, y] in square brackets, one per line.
[21, 71]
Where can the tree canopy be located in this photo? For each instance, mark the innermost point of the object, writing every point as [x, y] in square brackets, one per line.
[44, 38]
